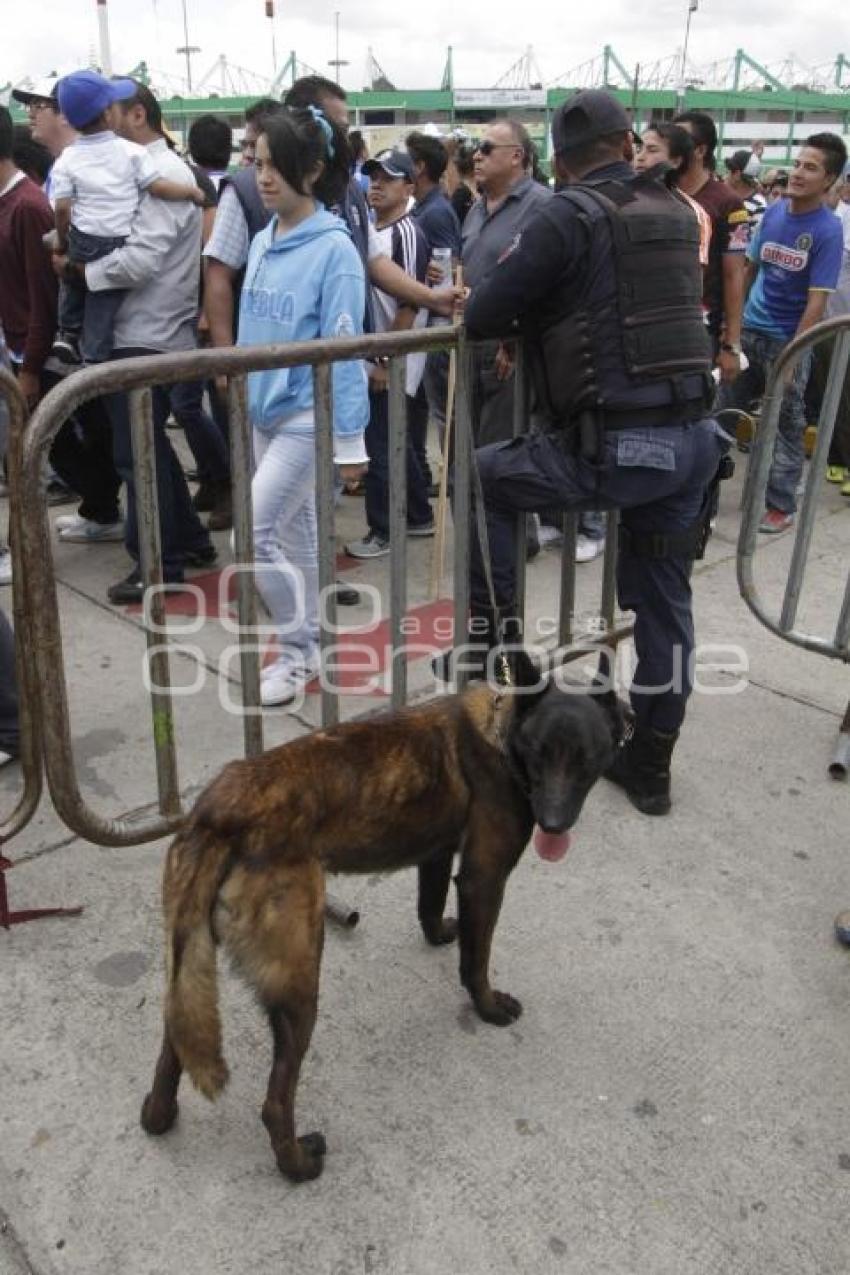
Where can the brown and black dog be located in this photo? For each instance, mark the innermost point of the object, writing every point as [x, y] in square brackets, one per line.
[467, 774]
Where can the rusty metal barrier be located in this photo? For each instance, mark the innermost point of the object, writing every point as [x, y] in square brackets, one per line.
[836, 646]
[29, 716]
[40, 633]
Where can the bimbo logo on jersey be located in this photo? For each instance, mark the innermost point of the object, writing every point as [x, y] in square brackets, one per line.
[779, 254]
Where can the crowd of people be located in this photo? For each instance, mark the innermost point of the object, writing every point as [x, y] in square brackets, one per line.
[112, 245]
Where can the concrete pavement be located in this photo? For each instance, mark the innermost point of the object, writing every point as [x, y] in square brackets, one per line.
[675, 1099]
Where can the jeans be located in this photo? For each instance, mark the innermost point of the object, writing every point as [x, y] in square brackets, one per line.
[592, 524]
[9, 739]
[417, 431]
[436, 385]
[92, 313]
[763, 350]
[180, 528]
[658, 478]
[81, 454]
[286, 552]
[377, 481]
[206, 442]
[839, 449]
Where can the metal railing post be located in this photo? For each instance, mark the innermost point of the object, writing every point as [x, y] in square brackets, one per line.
[29, 714]
[241, 469]
[805, 523]
[398, 526]
[520, 426]
[567, 605]
[150, 554]
[326, 530]
[462, 482]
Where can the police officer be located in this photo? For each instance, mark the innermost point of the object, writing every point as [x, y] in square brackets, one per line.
[604, 281]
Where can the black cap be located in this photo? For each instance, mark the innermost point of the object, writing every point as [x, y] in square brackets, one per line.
[586, 116]
[393, 163]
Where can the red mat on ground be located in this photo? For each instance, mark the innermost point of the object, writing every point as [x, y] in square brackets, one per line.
[363, 654]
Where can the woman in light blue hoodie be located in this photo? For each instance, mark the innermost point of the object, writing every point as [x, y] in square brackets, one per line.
[304, 280]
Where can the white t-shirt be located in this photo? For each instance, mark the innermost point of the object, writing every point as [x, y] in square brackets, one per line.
[104, 175]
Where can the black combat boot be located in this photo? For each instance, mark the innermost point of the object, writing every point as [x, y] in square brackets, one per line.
[641, 766]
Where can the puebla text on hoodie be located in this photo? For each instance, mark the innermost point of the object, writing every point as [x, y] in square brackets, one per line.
[303, 285]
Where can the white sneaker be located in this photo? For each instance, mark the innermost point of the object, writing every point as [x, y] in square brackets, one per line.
[371, 546]
[284, 681]
[6, 758]
[79, 530]
[587, 548]
[549, 535]
[5, 566]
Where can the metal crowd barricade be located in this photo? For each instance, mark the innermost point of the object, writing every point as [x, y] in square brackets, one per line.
[784, 625]
[29, 715]
[48, 732]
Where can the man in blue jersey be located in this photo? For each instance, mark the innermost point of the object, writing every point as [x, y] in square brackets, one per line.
[794, 262]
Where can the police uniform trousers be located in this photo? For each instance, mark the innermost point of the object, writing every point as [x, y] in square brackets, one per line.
[658, 477]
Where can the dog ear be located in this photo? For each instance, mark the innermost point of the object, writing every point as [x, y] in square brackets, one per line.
[527, 679]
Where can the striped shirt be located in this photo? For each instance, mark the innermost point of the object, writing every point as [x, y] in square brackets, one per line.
[404, 243]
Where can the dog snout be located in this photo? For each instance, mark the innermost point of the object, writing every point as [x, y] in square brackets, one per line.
[554, 817]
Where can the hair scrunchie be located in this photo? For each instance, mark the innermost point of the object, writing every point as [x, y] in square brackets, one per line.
[322, 120]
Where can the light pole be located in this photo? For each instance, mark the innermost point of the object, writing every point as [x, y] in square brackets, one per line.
[693, 5]
[337, 62]
[270, 16]
[187, 48]
[103, 29]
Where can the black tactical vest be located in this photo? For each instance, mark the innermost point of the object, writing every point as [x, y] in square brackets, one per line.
[636, 342]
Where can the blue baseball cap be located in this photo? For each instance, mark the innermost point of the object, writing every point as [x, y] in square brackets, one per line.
[84, 95]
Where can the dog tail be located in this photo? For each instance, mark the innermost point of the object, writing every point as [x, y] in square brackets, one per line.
[198, 862]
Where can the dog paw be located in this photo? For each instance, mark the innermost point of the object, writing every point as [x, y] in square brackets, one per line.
[498, 1008]
[309, 1160]
[313, 1143]
[157, 1117]
[440, 932]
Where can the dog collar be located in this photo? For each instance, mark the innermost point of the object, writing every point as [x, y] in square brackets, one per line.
[502, 669]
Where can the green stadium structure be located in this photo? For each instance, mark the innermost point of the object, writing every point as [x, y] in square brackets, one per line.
[748, 101]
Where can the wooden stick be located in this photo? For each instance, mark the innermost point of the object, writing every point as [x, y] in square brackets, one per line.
[438, 559]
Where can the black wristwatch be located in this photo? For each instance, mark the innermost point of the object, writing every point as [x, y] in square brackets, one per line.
[728, 348]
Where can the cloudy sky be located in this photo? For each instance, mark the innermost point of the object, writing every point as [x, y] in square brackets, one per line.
[42, 36]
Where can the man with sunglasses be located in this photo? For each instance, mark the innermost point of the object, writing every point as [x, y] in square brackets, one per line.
[621, 364]
[509, 195]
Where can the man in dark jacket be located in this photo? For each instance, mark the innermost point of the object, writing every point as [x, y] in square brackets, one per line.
[624, 395]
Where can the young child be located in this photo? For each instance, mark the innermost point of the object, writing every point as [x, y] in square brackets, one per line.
[304, 279]
[96, 186]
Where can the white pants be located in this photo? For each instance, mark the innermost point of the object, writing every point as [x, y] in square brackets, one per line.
[283, 493]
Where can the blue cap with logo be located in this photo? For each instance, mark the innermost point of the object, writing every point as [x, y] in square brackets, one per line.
[84, 95]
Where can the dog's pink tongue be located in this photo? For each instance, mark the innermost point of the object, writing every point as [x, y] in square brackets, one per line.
[551, 846]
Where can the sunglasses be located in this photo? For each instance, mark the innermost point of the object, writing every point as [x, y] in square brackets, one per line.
[487, 147]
